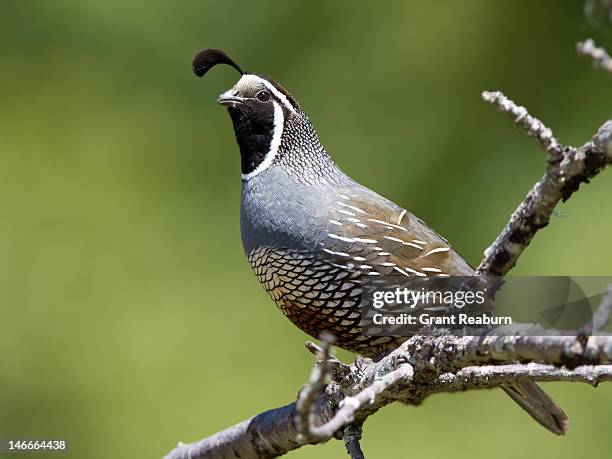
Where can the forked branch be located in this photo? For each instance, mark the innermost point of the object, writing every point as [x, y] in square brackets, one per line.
[566, 169]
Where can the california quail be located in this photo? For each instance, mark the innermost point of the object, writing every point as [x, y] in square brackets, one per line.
[311, 233]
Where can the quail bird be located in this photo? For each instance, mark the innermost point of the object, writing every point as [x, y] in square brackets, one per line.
[311, 233]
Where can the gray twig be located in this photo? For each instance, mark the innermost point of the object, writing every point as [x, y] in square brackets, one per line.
[599, 56]
[317, 350]
[521, 117]
[307, 415]
[350, 405]
[307, 399]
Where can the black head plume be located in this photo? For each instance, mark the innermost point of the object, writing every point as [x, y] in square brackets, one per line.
[208, 58]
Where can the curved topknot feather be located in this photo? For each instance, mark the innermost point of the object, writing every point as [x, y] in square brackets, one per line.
[208, 58]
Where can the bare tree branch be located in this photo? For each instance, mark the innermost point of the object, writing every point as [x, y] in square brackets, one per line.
[568, 351]
[437, 364]
[599, 56]
[566, 169]
[496, 375]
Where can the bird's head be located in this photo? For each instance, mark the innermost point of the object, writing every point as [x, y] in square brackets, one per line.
[269, 124]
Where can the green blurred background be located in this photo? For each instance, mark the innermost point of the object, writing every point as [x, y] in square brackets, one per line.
[129, 318]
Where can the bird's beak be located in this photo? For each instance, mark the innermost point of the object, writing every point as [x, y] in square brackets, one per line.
[230, 99]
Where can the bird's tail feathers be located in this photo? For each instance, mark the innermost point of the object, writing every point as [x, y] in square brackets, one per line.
[539, 405]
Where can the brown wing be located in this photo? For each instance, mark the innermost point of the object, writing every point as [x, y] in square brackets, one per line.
[376, 236]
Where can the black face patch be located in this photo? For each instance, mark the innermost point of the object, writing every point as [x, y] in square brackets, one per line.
[254, 129]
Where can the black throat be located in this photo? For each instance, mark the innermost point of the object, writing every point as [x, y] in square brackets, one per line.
[254, 129]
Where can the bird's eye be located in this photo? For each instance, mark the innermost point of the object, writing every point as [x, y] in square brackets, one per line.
[263, 96]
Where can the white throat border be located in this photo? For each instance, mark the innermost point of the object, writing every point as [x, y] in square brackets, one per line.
[279, 122]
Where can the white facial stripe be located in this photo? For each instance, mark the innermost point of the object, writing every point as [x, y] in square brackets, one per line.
[250, 80]
[278, 95]
[279, 122]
